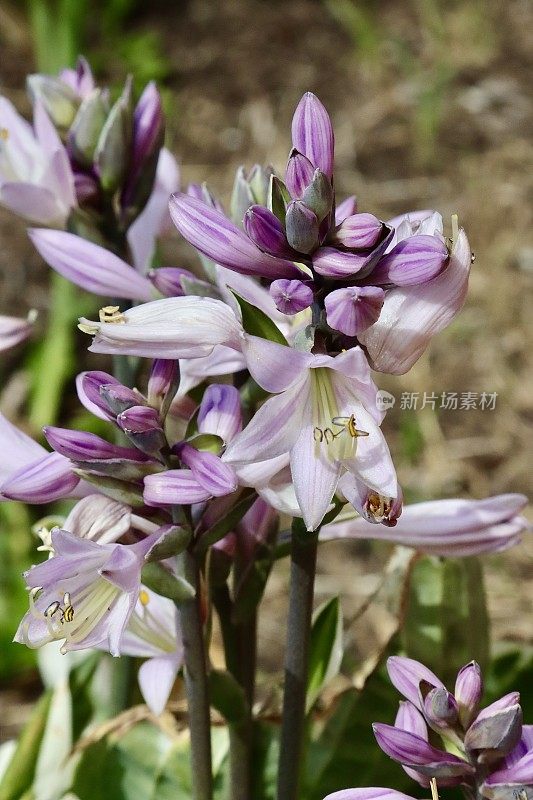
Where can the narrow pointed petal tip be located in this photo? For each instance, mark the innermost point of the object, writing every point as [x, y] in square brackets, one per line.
[216, 237]
[468, 692]
[406, 674]
[413, 751]
[90, 266]
[312, 133]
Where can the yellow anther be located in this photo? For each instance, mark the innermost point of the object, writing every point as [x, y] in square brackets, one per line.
[4, 134]
[144, 597]
[111, 314]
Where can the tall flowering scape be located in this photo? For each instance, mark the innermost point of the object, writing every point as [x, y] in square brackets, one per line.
[259, 405]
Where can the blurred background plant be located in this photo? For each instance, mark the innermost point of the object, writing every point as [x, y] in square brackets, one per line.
[432, 107]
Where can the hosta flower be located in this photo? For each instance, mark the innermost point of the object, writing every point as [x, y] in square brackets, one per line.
[443, 527]
[326, 418]
[36, 179]
[84, 595]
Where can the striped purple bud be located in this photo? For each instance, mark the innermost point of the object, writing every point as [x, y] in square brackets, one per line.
[291, 297]
[359, 232]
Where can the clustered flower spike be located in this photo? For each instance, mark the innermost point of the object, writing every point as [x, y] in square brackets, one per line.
[488, 752]
[387, 285]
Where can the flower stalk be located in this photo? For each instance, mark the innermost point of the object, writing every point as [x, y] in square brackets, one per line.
[302, 581]
[196, 682]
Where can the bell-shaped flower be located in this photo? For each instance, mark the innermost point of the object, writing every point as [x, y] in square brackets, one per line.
[84, 595]
[445, 527]
[175, 327]
[326, 418]
[36, 179]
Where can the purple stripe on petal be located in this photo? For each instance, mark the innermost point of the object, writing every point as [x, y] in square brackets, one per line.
[220, 411]
[291, 297]
[266, 231]
[174, 487]
[49, 478]
[216, 237]
[414, 260]
[88, 385]
[299, 174]
[90, 266]
[216, 477]
[345, 209]
[168, 280]
[312, 133]
[359, 231]
[354, 309]
[406, 674]
[413, 751]
[83, 446]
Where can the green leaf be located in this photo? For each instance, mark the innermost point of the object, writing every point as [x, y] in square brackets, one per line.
[227, 696]
[160, 580]
[174, 541]
[278, 198]
[18, 776]
[325, 654]
[256, 322]
[447, 623]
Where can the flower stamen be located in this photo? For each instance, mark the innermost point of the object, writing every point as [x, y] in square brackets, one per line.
[111, 314]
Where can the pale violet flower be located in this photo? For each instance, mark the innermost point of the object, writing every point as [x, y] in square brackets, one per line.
[36, 179]
[14, 330]
[326, 418]
[84, 595]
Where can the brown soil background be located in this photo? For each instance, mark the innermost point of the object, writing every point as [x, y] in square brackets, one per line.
[432, 108]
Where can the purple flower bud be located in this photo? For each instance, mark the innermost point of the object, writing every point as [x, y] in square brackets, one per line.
[291, 297]
[173, 487]
[319, 196]
[440, 709]
[414, 260]
[220, 411]
[406, 674]
[353, 309]
[119, 397]
[410, 719]
[359, 231]
[80, 78]
[413, 751]
[46, 479]
[216, 477]
[298, 175]
[84, 446]
[216, 237]
[468, 692]
[88, 385]
[266, 231]
[148, 126]
[168, 280]
[163, 382]
[312, 133]
[302, 227]
[142, 426]
[495, 735]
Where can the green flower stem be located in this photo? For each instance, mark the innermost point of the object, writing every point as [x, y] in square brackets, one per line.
[196, 682]
[303, 568]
